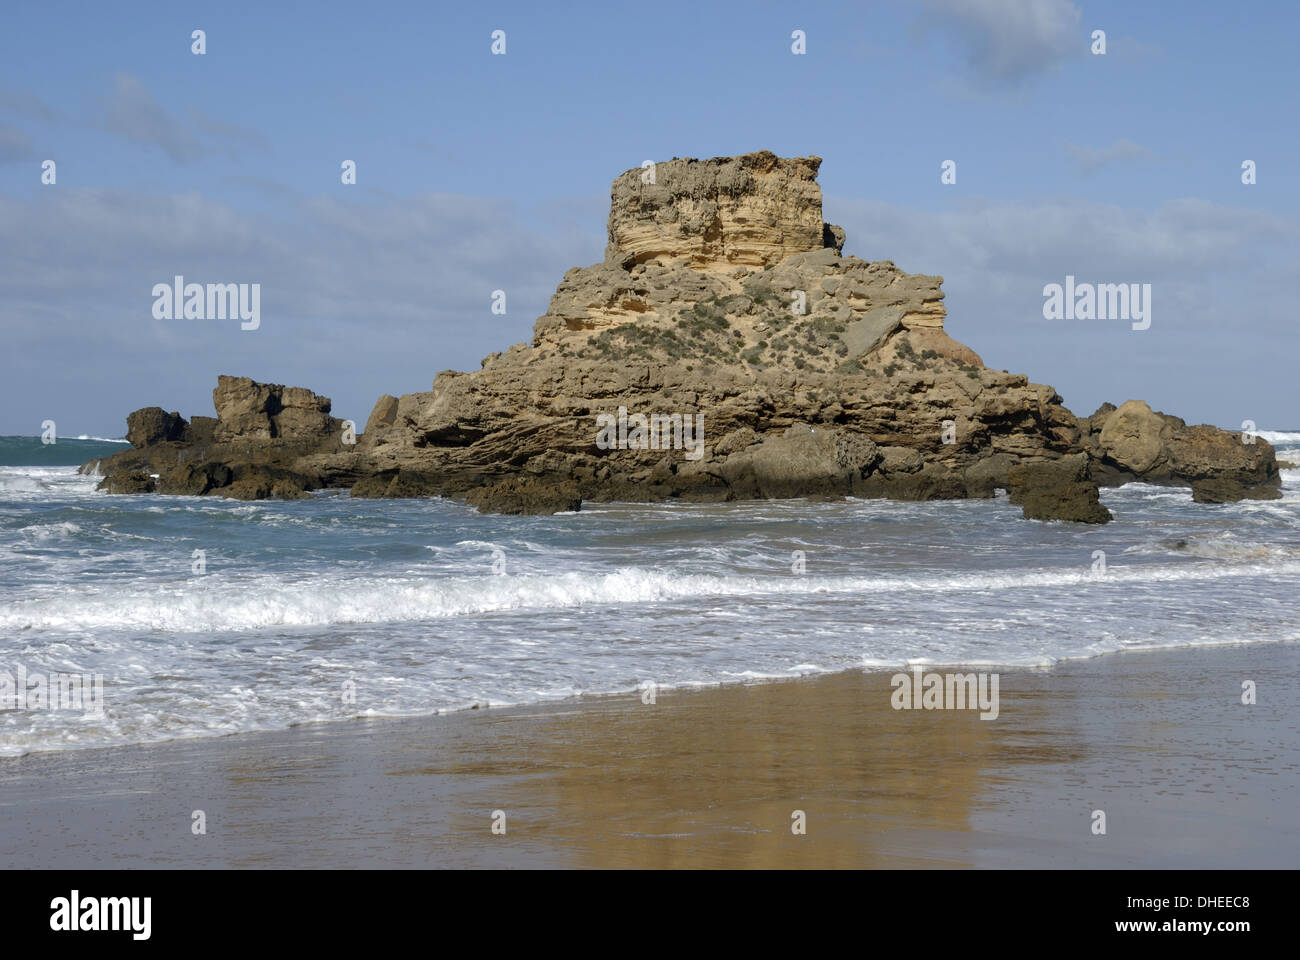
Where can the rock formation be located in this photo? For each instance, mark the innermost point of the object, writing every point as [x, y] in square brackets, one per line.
[251, 450]
[1135, 443]
[723, 313]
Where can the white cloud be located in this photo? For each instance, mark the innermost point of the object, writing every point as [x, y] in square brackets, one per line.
[1005, 42]
[1091, 159]
[24, 103]
[359, 297]
[1223, 338]
[230, 135]
[132, 112]
[14, 145]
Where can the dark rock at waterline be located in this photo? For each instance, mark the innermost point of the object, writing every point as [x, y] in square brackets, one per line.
[1230, 490]
[194, 480]
[984, 477]
[1057, 490]
[127, 482]
[524, 495]
[400, 484]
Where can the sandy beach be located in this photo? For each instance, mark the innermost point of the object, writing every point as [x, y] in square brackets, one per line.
[1187, 775]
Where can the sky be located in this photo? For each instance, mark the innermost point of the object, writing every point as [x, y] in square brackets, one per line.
[478, 172]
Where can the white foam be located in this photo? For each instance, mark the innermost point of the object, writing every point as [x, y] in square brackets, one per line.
[300, 598]
[23, 482]
[213, 603]
[50, 531]
[1224, 546]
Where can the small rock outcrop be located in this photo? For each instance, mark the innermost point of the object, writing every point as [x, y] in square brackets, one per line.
[154, 425]
[1057, 490]
[251, 450]
[525, 495]
[1133, 442]
[724, 348]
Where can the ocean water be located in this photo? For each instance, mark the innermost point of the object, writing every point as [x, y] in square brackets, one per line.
[329, 608]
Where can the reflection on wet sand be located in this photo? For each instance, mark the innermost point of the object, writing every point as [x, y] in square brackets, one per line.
[712, 778]
[1186, 774]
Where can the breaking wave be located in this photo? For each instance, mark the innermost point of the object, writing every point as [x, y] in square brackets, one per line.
[213, 604]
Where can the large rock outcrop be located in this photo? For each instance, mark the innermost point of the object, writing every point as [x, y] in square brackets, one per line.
[724, 348]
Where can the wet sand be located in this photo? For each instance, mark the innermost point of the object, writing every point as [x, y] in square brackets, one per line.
[1186, 774]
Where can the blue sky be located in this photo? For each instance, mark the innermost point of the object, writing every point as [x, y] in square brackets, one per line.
[478, 172]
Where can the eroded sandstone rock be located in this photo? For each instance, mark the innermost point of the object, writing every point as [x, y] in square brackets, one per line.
[803, 461]
[1133, 437]
[248, 410]
[1133, 442]
[723, 296]
[751, 210]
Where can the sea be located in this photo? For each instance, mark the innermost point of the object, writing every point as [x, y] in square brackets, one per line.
[204, 617]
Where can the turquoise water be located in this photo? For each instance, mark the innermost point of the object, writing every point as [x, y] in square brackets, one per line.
[63, 452]
[329, 608]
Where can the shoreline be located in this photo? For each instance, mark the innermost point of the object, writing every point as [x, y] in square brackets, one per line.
[594, 699]
[710, 776]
